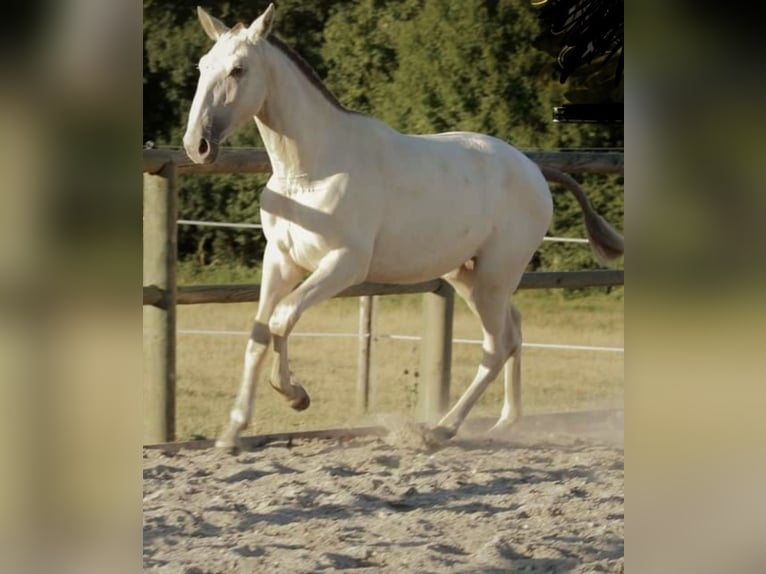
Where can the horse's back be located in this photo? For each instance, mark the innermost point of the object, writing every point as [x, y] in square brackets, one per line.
[445, 196]
[518, 194]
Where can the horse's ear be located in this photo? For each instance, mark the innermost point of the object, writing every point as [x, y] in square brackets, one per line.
[261, 26]
[213, 27]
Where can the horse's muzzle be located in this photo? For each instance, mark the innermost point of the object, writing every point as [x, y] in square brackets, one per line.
[201, 150]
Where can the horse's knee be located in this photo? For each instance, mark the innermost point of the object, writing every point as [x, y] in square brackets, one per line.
[260, 334]
[283, 319]
[260, 337]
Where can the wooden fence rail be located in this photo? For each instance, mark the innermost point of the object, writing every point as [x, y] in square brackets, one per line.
[161, 295]
[250, 292]
[254, 160]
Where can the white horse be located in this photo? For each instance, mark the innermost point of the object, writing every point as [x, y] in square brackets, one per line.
[353, 200]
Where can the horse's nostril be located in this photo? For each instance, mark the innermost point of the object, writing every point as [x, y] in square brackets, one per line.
[203, 146]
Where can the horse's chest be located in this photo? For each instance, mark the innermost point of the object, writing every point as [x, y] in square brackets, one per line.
[303, 225]
[304, 247]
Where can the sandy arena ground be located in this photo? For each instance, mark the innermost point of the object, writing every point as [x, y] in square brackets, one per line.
[546, 497]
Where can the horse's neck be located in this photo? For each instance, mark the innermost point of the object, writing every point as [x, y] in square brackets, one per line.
[295, 121]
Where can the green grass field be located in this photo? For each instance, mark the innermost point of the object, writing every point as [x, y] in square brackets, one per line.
[209, 366]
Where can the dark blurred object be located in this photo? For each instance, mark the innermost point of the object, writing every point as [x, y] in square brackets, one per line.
[583, 32]
[589, 114]
[586, 37]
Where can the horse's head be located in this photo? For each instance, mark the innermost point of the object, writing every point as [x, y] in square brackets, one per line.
[231, 86]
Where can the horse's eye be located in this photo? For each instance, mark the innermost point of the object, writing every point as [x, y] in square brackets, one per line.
[237, 71]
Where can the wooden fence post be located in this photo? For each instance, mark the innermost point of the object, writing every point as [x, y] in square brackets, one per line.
[366, 334]
[159, 329]
[436, 353]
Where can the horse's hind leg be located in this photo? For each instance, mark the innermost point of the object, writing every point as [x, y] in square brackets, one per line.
[511, 411]
[280, 276]
[489, 299]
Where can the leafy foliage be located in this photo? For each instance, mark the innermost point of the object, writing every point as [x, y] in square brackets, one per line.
[421, 65]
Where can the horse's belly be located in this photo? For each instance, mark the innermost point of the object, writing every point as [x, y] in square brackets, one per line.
[410, 257]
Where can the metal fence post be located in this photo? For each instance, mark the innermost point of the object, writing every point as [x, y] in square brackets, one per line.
[159, 326]
[436, 353]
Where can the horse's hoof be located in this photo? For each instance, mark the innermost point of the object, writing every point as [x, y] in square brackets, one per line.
[302, 401]
[229, 444]
[441, 434]
[497, 432]
[502, 426]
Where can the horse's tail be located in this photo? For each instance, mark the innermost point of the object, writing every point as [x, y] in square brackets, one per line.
[605, 241]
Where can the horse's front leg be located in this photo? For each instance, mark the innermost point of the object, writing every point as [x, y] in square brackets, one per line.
[280, 276]
[337, 271]
[281, 380]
